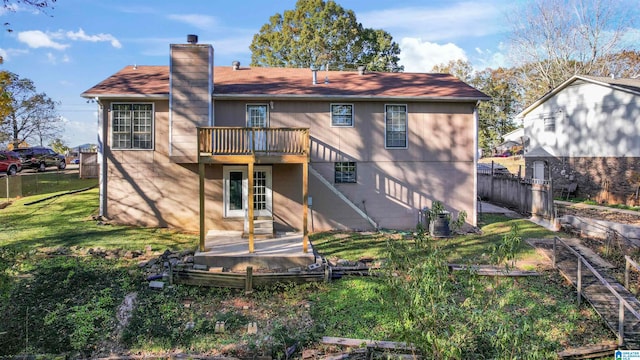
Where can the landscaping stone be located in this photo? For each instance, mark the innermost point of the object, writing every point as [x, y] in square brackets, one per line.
[252, 328]
[219, 328]
[159, 285]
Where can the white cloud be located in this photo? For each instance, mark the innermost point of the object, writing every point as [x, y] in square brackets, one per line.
[8, 54]
[53, 59]
[80, 35]
[204, 22]
[38, 39]
[420, 56]
[491, 59]
[456, 21]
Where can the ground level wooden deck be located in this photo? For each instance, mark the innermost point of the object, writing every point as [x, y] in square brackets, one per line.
[229, 250]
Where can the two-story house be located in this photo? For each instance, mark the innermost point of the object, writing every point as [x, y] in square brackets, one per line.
[586, 132]
[201, 147]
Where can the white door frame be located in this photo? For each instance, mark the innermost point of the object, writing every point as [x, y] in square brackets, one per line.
[239, 213]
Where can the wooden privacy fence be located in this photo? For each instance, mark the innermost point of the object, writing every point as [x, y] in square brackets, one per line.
[89, 165]
[245, 141]
[527, 196]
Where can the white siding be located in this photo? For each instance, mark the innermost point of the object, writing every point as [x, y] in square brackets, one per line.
[590, 120]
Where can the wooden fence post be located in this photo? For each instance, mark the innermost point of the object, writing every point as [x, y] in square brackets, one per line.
[248, 284]
[626, 272]
[554, 251]
[621, 323]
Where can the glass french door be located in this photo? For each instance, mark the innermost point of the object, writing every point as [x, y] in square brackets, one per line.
[236, 191]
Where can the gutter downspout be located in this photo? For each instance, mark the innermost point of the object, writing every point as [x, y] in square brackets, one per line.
[102, 135]
[337, 192]
[475, 166]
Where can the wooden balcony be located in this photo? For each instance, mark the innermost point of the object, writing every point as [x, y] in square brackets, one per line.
[258, 145]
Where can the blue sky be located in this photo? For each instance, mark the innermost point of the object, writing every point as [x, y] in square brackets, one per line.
[78, 43]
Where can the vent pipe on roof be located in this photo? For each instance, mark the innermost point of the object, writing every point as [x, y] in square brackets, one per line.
[361, 69]
[235, 65]
[314, 70]
[192, 39]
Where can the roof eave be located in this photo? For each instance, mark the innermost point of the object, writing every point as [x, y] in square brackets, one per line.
[121, 96]
[347, 97]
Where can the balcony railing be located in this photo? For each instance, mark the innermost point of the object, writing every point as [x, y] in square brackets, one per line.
[253, 141]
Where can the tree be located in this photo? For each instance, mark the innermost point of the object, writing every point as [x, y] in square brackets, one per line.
[59, 146]
[623, 64]
[496, 117]
[552, 40]
[30, 115]
[318, 33]
[462, 69]
[10, 5]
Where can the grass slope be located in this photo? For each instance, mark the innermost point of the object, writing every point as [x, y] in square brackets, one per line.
[67, 302]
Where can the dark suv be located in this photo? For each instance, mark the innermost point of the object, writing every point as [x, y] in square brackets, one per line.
[40, 158]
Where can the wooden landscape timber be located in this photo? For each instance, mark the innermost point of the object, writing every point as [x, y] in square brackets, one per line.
[490, 270]
[247, 281]
[376, 344]
[589, 352]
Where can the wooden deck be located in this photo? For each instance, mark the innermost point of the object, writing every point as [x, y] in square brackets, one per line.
[596, 288]
[228, 249]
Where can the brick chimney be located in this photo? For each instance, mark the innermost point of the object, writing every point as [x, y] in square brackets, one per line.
[190, 102]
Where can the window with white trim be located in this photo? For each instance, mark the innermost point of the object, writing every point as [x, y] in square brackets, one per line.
[345, 172]
[395, 132]
[132, 126]
[257, 116]
[342, 115]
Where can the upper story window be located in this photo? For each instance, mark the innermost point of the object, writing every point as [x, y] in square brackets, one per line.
[257, 116]
[550, 123]
[132, 126]
[341, 115]
[395, 133]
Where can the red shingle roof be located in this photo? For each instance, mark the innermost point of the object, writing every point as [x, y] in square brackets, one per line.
[287, 82]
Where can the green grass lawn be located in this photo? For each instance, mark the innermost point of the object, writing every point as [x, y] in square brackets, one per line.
[68, 221]
[67, 304]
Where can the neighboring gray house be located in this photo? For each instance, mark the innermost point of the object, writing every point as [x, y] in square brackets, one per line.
[511, 139]
[587, 131]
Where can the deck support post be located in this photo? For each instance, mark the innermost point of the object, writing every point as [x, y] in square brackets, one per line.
[305, 206]
[250, 205]
[201, 192]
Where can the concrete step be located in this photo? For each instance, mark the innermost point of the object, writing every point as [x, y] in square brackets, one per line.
[262, 229]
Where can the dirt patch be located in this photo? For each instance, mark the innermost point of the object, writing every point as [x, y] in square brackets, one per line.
[613, 215]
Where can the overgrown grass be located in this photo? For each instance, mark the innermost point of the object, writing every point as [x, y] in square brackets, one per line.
[471, 248]
[67, 304]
